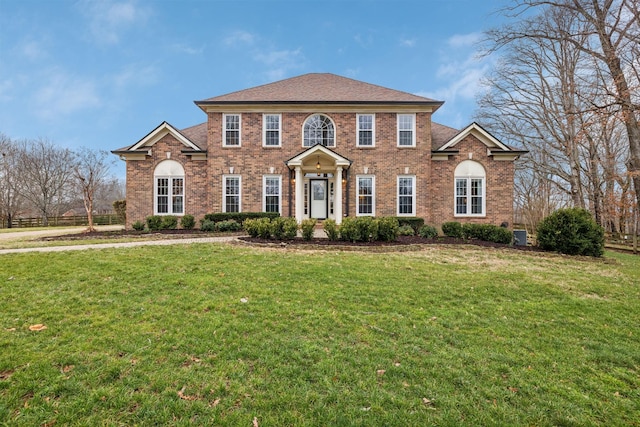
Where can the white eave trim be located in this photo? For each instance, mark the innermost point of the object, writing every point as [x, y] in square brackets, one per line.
[316, 150]
[474, 129]
[158, 133]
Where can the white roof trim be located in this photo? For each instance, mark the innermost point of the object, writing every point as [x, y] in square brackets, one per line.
[159, 132]
[316, 150]
[475, 129]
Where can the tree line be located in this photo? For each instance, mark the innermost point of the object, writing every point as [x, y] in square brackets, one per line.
[38, 178]
[566, 86]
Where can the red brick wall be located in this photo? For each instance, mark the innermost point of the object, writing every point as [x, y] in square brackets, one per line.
[140, 181]
[499, 185]
[434, 179]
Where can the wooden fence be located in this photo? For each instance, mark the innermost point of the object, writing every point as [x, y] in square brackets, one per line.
[61, 221]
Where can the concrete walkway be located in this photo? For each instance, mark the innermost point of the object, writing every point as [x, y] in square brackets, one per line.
[33, 234]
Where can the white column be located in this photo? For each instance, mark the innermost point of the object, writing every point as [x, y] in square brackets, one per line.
[299, 195]
[337, 202]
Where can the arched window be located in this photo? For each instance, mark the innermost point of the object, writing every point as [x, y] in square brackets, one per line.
[168, 178]
[319, 129]
[470, 189]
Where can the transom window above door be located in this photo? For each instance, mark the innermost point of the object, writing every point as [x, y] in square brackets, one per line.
[319, 129]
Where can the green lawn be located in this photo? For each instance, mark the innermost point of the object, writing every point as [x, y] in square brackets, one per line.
[222, 335]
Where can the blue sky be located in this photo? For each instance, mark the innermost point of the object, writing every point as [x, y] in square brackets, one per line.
[102, 74]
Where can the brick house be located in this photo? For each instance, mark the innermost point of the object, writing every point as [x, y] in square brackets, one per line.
[321, 146]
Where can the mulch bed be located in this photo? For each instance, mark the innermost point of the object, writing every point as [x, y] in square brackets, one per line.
[403, 241]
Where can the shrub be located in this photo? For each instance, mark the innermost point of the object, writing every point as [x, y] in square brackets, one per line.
[487, 232]
[331, 229]
[412, 222]
[187, 222]
[571, 231]
[239, 217]
[428, 232]
[120, 207]
[138, 225]
[169, 222]
[348, 230]
[290, 228]
[452, 229]
[308, 227]
[154, 222]
[387, 228]
[249, 225]
[207, 225]
[406, 230]
[367, 229]
[229, 225]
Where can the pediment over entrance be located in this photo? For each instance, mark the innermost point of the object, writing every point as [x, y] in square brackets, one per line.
[318, 159]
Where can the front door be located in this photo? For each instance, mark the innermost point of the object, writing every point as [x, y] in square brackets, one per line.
[318, 198]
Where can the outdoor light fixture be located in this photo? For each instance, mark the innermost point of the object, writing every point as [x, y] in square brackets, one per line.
[318, 166]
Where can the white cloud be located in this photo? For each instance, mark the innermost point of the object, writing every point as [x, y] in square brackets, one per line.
[136, 75]
[239, 38]
[32, 50]
[408, 42]
[464, 40]
[108, 19]
[185, 48]
[63, 94]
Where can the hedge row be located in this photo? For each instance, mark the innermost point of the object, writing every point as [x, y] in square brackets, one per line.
[486, 232]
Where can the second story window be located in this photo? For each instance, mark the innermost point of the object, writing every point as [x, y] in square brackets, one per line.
[271, 128]
[366, 130]
[318, 129]
[406, 130]
[231, 130]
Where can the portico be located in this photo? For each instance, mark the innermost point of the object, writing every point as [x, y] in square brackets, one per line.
[319, 179]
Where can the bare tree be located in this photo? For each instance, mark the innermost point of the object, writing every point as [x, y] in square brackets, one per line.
[612, 28]
[47, 176]
[90, 173]
[10, 180]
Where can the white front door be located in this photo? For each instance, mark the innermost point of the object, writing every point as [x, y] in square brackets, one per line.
[318, 196]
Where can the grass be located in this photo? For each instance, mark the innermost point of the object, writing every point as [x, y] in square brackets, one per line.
[222, 334]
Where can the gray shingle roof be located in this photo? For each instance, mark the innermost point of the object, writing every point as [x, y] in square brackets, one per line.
[319, 88]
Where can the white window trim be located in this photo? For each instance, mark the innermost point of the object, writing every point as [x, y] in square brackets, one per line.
[413, 198]
[224, 192]
[335, 130]
[224, 130]
[264, 192]
[373, 130]
[413, 130]
[264, 130]
[373, 195]
[484, 197]
[169, 195]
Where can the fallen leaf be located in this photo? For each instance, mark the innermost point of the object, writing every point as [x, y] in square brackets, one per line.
[427, 402]
[366, 408]
[37, 327]
[396, 364]
[255, 421]
[184, 396]
[215, 403]
[380, 371]
[67, 368]
[244, 300]
[512, 389]
[11, 329]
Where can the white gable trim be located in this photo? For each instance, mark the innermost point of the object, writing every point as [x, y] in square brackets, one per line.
[476, 130]
[158, 133]
[317, 150]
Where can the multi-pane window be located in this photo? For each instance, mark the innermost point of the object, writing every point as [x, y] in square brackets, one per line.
[406, 130]
[231, 194]
[272, 130]
[319, 129]
[365, 200]
[469, 196]
[366, 130]
[231, 130]
[169, 188]
[271, 189]
[406, 195]
[470, 189]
